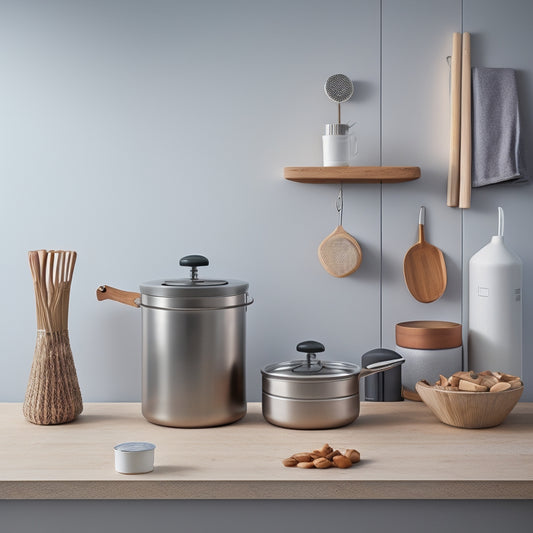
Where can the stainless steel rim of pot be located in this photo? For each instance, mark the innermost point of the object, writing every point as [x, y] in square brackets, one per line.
[313, 370]
[313, 379]
[186, 294]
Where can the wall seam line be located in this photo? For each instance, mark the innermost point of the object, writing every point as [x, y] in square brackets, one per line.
[381, 164]
[462, 222]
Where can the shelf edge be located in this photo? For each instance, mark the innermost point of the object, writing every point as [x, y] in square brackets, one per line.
[351, 174]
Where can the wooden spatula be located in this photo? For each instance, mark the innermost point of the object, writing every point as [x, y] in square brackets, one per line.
[424, 268]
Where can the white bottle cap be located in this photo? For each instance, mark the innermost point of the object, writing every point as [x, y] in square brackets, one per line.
[134, 457]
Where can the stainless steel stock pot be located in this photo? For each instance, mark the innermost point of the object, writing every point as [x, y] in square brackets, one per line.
[313, 394]
[193, 347]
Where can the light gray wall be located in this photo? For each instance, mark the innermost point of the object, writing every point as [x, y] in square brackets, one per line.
[138, 132]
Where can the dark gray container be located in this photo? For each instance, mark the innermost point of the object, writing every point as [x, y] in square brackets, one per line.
[384, 386]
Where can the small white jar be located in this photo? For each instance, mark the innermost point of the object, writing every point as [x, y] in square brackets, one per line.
[134, 457]
[339, 146]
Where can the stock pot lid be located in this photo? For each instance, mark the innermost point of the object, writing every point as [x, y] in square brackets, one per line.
[174, 288]
[193, 285]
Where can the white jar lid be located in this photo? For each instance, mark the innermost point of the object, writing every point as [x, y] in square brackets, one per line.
[134, 457]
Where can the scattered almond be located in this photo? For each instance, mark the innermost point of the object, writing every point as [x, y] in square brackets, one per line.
[341, 461]
[325, 450]
[316, 459]
[306, 464]
[333, 454]
[290, 461]
[443, 381]
[353, 455]
[302, 457]
[322, 462]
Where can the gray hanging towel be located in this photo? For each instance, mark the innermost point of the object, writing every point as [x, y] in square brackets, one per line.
[496, 154]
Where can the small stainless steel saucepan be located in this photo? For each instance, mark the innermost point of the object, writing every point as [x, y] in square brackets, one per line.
[315, 394]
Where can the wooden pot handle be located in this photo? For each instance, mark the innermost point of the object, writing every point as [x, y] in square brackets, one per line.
[105, 292]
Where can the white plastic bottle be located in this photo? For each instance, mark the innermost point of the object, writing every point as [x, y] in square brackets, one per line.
[495, 307]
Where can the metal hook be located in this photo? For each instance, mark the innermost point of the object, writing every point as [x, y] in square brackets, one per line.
[340, 204]
[422, 216]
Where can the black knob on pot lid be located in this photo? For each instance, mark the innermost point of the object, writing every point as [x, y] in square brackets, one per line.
[310, 347]
[194, 261]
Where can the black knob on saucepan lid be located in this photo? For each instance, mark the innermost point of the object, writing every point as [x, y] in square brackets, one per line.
[194, 261]
[311, 348]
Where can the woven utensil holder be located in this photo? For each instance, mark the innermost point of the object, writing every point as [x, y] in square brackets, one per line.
[53, 394]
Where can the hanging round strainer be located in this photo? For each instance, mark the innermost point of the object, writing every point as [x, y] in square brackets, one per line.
[339, 88]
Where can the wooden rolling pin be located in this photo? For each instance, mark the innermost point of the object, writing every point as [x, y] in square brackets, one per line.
[465, 176]
[455, 123]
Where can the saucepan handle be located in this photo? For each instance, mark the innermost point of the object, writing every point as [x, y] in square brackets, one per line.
[105, 292]
[381, 366]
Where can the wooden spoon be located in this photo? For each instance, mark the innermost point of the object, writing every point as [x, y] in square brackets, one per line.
[424, 268]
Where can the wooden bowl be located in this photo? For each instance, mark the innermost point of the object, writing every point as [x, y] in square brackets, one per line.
[469, 409]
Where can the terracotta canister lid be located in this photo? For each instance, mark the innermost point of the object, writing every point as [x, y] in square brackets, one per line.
[428, 334]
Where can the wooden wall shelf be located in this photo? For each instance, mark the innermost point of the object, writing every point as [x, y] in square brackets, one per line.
[351, 174]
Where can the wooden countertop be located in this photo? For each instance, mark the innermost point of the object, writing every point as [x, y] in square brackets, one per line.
[405, 454]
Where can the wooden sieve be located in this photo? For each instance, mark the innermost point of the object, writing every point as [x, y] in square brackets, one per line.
[339, 253]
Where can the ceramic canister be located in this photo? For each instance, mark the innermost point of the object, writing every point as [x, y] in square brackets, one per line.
[339, 145]
[430, 348]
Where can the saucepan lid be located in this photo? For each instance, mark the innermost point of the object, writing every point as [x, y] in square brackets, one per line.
[311, 368]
